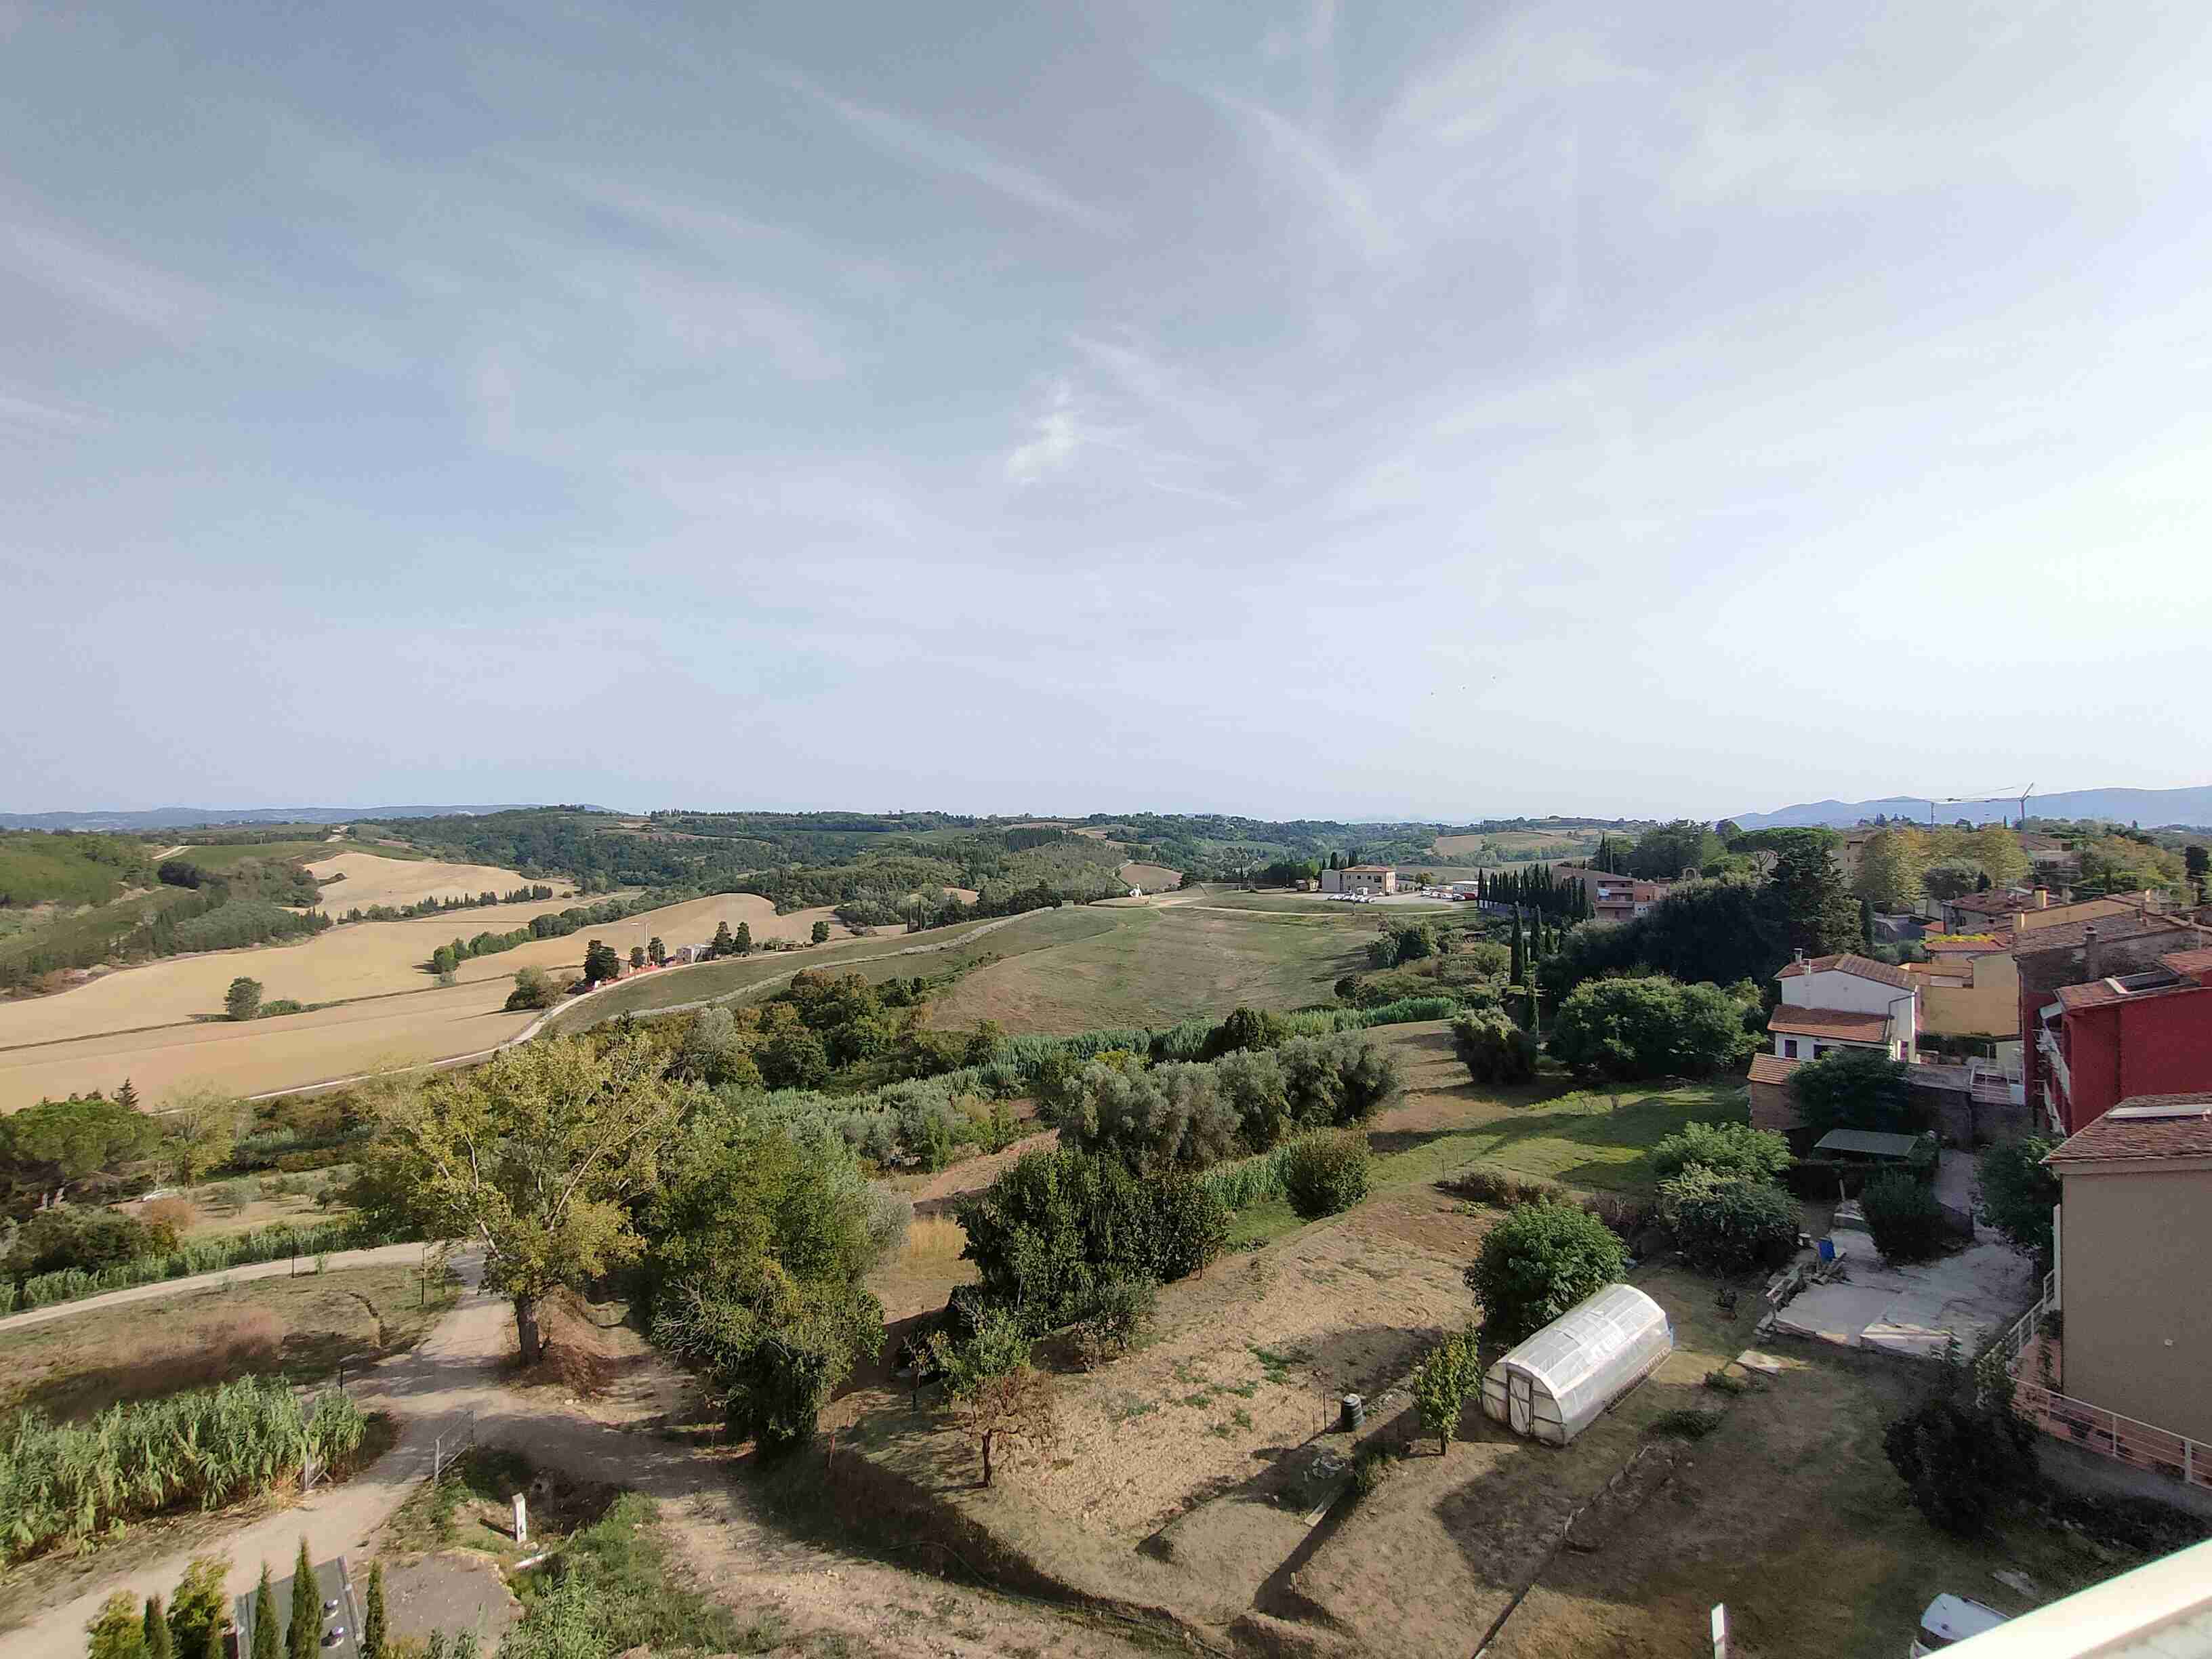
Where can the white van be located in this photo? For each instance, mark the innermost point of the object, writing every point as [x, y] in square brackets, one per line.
[1952, 1618]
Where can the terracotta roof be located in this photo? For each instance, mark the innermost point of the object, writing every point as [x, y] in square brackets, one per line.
[1965, 944]
[2145, 1126]
[2191, 963]
[1993, 903]
[1841, 1024]
[1857, 966]
[1771, 1068]
[2072, 935]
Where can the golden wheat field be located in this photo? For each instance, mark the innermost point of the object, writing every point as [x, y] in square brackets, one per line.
[94, 1035]
[369, 879]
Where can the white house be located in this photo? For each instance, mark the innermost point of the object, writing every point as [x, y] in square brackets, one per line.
[1845, 1001]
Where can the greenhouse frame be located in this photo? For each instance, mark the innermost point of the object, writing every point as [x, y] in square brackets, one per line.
[1555, 1384]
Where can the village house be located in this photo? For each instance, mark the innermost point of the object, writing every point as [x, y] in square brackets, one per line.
[1845, 1001]
[1375, 880]
[1969, 987]
[2023, 911]
[2135, 1233]
[1612, 897]
[2120, 1036]
[2079, 953]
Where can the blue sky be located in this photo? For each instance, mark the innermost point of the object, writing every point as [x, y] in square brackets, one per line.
[1344, 412]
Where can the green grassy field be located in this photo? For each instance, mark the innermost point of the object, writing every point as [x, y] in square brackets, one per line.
[874, 959]
[1592, 1140]
[1157, 966]
[1314, 904]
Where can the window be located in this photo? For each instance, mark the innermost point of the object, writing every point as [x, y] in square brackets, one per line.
[1789, 1050]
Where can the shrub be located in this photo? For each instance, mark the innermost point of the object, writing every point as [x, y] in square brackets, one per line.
[1172, 1116]
[1486, 1183]
[176, 1215]
[1326, 1172]
[1370, 1467]
[66, 1236]
[1686, 1421]
[1538, 1262]
[1964, 1451]
[1726, 1149]
[1120, 1314]
[889, 1217]
[1245, 1028]
[1904, 1216]
[1630, 1029]
[773, 1355]
[532, 989]
[1493, 1049]
[1729, 1224]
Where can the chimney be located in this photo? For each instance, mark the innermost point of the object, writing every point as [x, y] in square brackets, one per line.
[2093, 954]
[1801, 958]
[2043, 898]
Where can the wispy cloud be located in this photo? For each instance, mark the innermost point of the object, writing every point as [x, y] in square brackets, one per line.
[89, 275]
[1055, 438]
[1311, 164]
[944, 151]
[33, 415]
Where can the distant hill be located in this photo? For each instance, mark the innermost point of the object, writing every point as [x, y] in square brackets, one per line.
[193, 817]
[2150, 808]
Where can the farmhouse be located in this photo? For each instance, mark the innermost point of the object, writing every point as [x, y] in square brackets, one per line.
[1844, 1001]
[1375, 880]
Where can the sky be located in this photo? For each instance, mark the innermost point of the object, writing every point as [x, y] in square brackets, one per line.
[1352, 411]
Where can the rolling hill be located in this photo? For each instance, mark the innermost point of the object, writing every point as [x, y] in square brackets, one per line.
[2150, 808]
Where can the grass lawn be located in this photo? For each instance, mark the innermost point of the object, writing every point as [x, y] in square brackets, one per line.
[299, 1328]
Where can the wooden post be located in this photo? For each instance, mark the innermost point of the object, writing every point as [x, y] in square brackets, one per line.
[521, 1520]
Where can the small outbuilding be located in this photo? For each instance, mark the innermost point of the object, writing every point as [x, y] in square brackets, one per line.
[1552, 1386]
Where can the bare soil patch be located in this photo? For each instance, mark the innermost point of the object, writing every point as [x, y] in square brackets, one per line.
[370, 879]
[298, 1328]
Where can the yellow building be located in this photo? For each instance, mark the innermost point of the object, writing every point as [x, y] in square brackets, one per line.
[1969, 987]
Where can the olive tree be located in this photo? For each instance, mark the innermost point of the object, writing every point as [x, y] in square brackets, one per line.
[535, 1157]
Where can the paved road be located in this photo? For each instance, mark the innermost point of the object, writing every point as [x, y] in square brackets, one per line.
[381, 1255]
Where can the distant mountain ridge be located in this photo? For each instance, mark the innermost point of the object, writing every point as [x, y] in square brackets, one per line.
[194, 818]
[2151, 808]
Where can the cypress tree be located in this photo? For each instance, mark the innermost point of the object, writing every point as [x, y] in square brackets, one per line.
[307, 1626]
[158, 1644]
[1866, 924]
[372, 1615]
[1519, 972]
[1532, 1008]
[264, 1638]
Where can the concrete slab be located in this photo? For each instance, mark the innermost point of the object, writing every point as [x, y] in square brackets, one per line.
[1916, 1310]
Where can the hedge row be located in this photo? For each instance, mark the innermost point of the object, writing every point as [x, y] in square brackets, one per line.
[270, 1244]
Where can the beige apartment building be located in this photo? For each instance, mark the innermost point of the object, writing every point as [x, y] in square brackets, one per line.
[2135, 1230]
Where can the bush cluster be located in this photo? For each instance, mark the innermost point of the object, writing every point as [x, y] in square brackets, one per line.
[1905, 1217]
[1726, 1149]
[1537, 1263]
[1486, 1183]
[1627, 1029]
[1493, 1049]
[1730, 1223]
[1326, 1172]
[1057, 1225]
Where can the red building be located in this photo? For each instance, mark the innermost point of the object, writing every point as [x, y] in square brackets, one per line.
[2141, 1033]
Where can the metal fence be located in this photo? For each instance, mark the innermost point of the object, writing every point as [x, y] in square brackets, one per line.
[453, 1438]
[2140, 1445]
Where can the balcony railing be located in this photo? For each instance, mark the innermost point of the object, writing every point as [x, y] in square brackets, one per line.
[2056, 1057]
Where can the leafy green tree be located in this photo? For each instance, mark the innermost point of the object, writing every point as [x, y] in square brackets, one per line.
[1493, 1049]
[48, 1148]
[243, 1001]
[372, 1624]
[118, 1630]
[1664, 853]
[532, 989]
[1447, 1374]
[536, 1156]
[1889, 869]
[1857, 1089]
[724, 942]
[201, 1125]
[1965, 1451]
[637, 957]
[1950, 879]
[268, 1641]
[600, 963]
[306, 1625]
[1326, 1172]
[742, 942]
[2197, 863]
[1623, 1029]
[820, 934]
[2018, 1192]
[1816, 911]
[655, 951]
[156, 1626]
[1537, 1263]
[997, 1394]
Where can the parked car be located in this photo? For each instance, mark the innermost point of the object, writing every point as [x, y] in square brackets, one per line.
[1952, 1618]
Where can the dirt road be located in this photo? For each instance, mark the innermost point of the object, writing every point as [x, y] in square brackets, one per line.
[732, 1551]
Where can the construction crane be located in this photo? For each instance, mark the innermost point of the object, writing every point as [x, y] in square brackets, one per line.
[2021, 796]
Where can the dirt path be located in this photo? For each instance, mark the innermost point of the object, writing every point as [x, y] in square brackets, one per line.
[381, 1255]
[731, 1549]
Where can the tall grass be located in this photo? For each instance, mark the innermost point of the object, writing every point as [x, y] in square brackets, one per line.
[1252, 1181]
[209, 1447]
[270, 1244]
